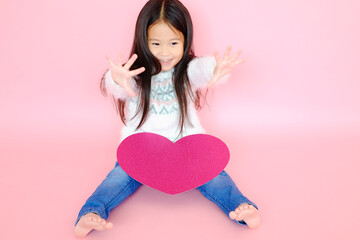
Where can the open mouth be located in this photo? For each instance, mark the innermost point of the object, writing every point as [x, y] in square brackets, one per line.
[165, 61]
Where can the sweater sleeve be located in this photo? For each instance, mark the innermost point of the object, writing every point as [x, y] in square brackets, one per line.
[114, 89]
[200, 72]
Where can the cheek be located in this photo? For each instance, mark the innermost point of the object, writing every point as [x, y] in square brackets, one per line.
[180, 52]
[152, 50]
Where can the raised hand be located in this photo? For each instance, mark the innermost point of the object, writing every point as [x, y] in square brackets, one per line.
[225, 64]
[122, 74]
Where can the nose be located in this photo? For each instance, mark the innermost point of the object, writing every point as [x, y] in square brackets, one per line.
[164, 50]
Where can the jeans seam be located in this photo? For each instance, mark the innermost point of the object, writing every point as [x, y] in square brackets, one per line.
[116, 196]
[215, 200]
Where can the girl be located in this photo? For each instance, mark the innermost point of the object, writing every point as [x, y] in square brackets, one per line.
[160, 85]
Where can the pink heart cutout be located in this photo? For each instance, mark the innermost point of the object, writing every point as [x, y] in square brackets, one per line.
[172, 168]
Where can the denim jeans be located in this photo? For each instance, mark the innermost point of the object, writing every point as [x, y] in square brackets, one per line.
[118, 185]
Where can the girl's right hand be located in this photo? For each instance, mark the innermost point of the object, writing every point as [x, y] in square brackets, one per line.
[122, 74]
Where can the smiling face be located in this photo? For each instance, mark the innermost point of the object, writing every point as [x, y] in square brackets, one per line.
[166, 43]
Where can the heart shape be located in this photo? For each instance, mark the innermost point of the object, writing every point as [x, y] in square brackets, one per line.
[170, 167]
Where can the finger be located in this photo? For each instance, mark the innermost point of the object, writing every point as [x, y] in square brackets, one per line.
[130, 62]
[120, 60]
[236, 55]
[217, 57]
[240, 61]
[109, 60]
[137, 71]
[227, 52]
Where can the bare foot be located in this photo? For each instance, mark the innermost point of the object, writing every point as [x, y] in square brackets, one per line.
[90, 221]
[248, 213]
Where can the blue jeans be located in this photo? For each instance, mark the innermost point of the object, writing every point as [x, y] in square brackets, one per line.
[118, 185]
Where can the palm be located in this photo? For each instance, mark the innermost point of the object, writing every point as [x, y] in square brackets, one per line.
[122, 74]
[225, 64]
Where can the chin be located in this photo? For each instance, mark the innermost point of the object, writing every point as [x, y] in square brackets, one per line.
[167, 68]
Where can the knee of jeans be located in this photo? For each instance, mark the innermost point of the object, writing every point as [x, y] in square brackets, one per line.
[118, 172]
[219, 180]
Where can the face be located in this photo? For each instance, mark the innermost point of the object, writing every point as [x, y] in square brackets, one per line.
[166, 44]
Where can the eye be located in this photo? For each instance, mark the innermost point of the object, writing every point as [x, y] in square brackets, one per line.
[174, 43]
[155, 44]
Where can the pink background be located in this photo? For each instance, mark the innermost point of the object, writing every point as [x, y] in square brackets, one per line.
[290, 116]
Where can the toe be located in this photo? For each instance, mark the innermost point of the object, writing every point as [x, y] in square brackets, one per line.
[245, 206]
[232, 215]
[108, 225]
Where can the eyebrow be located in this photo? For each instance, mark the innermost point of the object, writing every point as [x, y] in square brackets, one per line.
[154, 39]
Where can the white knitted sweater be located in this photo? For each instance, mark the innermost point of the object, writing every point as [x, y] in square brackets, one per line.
[164, 113]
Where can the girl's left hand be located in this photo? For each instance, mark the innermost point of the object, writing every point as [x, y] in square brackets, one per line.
[224, 65]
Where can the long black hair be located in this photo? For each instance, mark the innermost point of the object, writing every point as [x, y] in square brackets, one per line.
[174, 13]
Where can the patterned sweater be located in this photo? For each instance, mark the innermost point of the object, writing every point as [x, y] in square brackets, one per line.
[164, 113]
